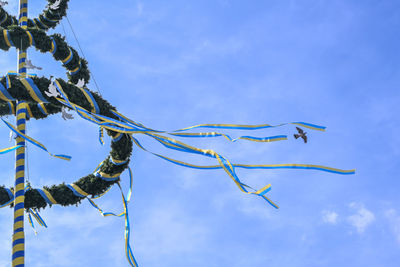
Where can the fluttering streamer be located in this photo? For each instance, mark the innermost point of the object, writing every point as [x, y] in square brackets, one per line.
[127, 127]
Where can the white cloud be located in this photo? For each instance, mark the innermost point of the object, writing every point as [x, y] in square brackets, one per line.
[394, 221]
[247, 205]
[329, 217]
[362, 218]
[165, 230]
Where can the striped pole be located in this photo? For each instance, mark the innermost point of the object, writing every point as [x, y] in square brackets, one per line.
[18, 244]
[23, 22]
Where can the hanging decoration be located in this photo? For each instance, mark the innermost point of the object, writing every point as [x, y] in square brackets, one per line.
[47, 96]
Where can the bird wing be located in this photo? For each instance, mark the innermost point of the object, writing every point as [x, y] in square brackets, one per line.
[80, 83]
[52, 91]
[300, 130]
[55, 5]
[65, 115]
[304, 138]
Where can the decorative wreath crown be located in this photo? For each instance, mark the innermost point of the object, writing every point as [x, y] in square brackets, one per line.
[41, 97]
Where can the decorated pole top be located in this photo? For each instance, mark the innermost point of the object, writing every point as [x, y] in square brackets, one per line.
[45, 96]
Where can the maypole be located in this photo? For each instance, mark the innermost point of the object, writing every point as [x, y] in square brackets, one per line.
[40, 97]
[18, 238]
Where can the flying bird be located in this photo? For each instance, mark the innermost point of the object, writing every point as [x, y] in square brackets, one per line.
[3, 3]
[55, 5]
[301, 134]
[29, 65]
[52, 91]
[80, 83]
[65, 115]
[12, 135]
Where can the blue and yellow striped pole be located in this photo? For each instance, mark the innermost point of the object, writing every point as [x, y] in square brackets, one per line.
[23, 22]
[18, 244]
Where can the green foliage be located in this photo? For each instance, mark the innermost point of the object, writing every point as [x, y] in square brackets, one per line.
[53, 15]
[120, 150]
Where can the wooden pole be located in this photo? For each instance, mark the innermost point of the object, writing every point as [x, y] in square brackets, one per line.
[18, 245]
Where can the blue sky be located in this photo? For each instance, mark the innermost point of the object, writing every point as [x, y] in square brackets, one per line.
[171, 65]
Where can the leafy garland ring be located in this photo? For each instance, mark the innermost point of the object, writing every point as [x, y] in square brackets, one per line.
[121, 148]
[48, 19]
[35, 35]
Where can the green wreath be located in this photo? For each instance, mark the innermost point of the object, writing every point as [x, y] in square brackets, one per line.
[35, 35]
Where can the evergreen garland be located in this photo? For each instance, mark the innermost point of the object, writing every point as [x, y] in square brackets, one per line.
[120, 150]
[43, 43]
[48, 19]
